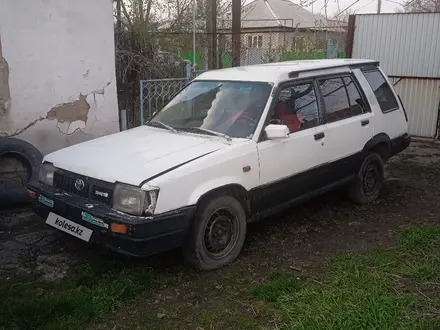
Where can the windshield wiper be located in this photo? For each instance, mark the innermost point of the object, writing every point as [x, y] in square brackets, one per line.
[156, 122]
[211, 132]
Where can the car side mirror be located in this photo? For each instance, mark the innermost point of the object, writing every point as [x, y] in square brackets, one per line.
[274, 132]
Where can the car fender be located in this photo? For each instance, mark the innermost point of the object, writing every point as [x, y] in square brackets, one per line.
[213, 184]
[375, 140]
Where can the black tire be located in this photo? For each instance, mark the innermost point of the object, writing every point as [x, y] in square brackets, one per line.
[30, 157]
[367, 185]
[224, 214]
[24, 150]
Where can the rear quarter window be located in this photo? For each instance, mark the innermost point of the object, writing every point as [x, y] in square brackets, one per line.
[382, 90]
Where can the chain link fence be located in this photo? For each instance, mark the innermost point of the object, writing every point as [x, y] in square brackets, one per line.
[155, 94]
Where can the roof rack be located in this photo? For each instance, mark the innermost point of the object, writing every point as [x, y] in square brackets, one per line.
[366, 65]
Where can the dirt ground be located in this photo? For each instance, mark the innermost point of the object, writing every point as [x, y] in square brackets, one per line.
[297, 240]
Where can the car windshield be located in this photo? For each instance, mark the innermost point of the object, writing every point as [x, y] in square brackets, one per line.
[216, 107]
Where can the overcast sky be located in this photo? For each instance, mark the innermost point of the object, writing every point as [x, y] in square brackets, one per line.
[363, 6]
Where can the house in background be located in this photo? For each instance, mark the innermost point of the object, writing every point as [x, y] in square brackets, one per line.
[279, 30]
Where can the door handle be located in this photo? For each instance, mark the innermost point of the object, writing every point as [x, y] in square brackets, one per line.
[319, 136]
[365, 122]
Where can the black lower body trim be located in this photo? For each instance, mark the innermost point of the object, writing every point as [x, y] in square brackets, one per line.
[400, 143]
[300, 199]
[276, 196]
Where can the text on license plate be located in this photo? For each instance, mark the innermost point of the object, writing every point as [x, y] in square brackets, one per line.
[69, 227]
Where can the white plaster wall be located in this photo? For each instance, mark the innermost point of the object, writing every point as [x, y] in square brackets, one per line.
[57, 49]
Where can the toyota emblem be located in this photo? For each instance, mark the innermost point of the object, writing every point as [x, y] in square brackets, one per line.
[79, 184]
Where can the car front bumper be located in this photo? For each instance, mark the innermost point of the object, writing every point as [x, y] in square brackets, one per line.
[145, 235]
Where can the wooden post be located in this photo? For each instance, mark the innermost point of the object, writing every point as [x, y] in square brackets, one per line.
[236, 32]
[211, 24]
[350, 36]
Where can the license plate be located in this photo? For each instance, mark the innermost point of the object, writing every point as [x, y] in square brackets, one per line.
[69, 227]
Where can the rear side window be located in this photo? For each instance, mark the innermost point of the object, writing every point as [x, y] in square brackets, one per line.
[337, 106]
[357, 104]
[382, 90]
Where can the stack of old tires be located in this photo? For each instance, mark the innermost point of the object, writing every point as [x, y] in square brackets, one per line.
[27, 155]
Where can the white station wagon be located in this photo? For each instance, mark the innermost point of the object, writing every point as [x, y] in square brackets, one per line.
[234, 146]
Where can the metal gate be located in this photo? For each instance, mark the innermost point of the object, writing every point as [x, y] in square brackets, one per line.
[156, 93]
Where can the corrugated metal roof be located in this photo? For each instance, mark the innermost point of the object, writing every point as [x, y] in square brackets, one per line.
[285, 9]
[257, 10]
[405, 44]
[276, 13]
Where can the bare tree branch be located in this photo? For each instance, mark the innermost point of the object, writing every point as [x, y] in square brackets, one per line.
[422, 6]
[140, 8]
[148, 11]
[127, 16]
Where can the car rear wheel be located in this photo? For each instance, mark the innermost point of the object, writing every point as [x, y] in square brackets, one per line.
[217, 234]
[368, 182]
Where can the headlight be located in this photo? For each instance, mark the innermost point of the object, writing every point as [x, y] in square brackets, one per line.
[46, 174]
[133, 200]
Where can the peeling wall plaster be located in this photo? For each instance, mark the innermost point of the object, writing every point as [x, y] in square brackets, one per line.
[5, 95]
[61, 71]
[70, 112]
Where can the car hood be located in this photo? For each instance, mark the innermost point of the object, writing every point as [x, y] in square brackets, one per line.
[135, 155]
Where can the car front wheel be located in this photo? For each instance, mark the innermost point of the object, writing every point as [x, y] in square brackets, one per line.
[217, 233]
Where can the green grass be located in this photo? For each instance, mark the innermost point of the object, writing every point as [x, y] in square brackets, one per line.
[396, 289]
[279, 284]
[91, 289]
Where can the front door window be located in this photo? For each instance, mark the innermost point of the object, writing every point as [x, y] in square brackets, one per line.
[297, 107]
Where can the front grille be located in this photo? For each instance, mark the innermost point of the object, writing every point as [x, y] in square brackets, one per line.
[92, 189]
[66, 182]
